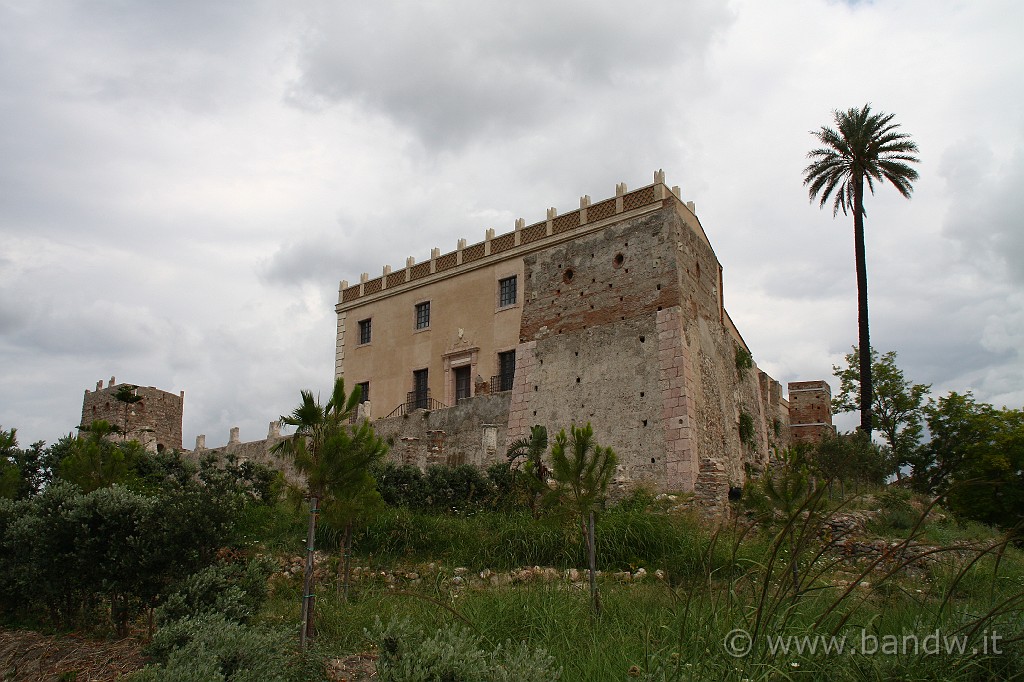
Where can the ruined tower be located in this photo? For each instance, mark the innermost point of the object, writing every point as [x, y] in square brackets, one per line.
[148, 415]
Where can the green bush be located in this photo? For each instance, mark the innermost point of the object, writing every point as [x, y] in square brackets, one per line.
[747, 430]
[234, 591]
[65, 551]
[444, 489]
[454, 654]
[212, 647]
[744, 360]
[72, 557]
[897, 513]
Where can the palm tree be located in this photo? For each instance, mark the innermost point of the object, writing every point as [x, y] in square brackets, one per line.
[319, 432]
[864, 147]
[532, 449]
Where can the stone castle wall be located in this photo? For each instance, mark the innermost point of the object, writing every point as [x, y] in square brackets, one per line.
[255, 451]
[591, 343]
[472, 432]
[625, 329]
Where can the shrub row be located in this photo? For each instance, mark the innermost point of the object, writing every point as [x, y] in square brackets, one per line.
[71, 556]
[444, 489]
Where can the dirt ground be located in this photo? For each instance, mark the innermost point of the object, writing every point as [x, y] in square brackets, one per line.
[29, 656]
[357, 668]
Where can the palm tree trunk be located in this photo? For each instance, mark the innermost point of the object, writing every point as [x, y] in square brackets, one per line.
[863, 340]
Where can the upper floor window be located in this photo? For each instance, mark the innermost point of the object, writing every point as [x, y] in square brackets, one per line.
[423, 315]
[364, 331]
[507, 291]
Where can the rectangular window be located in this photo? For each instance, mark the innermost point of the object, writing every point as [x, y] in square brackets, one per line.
[507, 291]
[420, 397]
[506, 370]
[364, 331]
[365, 388]
[423, 315]
[463, 383]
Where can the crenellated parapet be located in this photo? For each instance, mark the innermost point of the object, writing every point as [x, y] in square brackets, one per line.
[523, 239]
[256, 451]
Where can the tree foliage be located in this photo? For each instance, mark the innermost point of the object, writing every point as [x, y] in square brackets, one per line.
[23, 472]
[974, 457]
[850, 458]
[334, 457]
[10, 472]
[581, 470]
[333, 454]
[95, 461]
[897, 402]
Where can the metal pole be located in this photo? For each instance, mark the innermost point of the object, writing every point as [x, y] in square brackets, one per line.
[306, 631]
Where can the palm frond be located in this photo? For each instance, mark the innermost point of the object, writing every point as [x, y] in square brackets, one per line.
[864, 147]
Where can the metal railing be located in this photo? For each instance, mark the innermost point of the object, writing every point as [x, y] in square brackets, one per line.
[501, 383]
[417, 400]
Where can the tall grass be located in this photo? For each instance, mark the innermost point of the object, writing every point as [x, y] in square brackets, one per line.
[774, 576]
[626, 540]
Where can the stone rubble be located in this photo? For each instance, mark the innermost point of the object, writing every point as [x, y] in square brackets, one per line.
[461, 576]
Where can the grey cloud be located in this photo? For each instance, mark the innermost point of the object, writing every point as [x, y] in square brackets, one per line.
[315, 258]
[97, 328]
[469, 68]
[985, 214]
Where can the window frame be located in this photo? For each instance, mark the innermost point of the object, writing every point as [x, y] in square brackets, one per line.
[511, 374]
[502, 290]
[365, 331]
[421, 316]
[420, 389]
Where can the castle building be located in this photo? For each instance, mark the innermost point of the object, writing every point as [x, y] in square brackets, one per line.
[611, 314]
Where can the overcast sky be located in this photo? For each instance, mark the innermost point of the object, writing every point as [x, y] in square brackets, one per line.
[183, 184]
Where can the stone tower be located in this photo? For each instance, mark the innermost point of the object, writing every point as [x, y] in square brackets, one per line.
[154, 419]
[810, 411]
